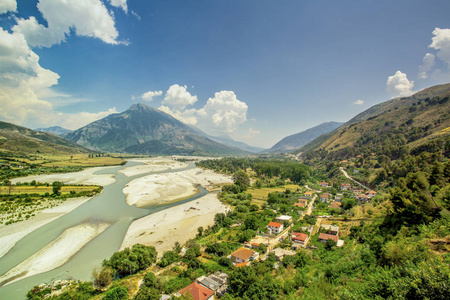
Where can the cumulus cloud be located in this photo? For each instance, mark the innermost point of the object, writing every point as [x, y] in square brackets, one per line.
[149, 95]
[251, 133]
[7, 5]
[177, 97]
[359, 102]
[441, 42]
[398, 85]
[426, 66]
[188, 116]
[88, 18]
[120, 3]
[26, 88]
[225, 112]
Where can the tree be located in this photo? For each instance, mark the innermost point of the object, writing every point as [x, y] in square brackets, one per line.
[102, 277]
[117, 293]
[200, 231]
[177, 247]
[241, 179]
[57, 187]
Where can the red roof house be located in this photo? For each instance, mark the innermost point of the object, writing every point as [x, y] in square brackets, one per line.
[198, 292]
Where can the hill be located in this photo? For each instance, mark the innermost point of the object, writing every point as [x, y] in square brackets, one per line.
[297, 140]
[58, 130]
[146, 130]
[21, 140]
[392, 128]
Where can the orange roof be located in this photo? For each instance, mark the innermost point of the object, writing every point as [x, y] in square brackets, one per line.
[371, 192]
[335, 204]
[324, 196]
[299, 236]
[299, 204]
[198, 291]
[275, 224]
[243, 253]
[326, 236]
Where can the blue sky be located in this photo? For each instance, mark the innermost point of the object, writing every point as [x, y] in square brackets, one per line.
[254, 70]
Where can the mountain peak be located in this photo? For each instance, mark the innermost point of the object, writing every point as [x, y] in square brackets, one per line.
[140, 107]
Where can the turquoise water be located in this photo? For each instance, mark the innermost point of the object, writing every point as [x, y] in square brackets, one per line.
[109, 206]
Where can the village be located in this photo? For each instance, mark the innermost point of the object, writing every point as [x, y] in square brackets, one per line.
[286, 230]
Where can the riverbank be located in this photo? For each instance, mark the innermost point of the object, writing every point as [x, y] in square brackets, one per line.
[86, 177]
[175, 224]
[152, 165]
[164, 188]
[11, 234]
[55, 254]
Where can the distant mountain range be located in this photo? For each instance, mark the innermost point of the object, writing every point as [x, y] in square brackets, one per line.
[391, 128]
[58, 130]
[21, 140]
[146, 130]
[293, 142]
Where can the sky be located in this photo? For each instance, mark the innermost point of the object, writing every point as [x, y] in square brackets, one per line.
[256, 71]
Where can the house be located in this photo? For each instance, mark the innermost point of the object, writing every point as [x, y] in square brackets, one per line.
[284, 218]
[336, 205]
[303, 199]
[362, 198]
[324, 237]
[345, 186]
[300, 238]
[243, 255]
[324, 197]
[281, 253]
[308, 194]
[216, 282]
[198, 292]
[275, 228]
[299, 204]
[338, 197]
[331, 229]
[371, 193]
[324, 184]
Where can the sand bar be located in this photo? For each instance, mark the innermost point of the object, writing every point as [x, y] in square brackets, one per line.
[86, 177]
[168, 187]
[11, 234]
[55, 254]
[178, 223]
[153, 164]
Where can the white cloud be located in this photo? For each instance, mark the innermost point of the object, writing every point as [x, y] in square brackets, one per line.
[149, 95]
[441, 42]
[398, 85]
[426, 66]
[120, 3]
[188, 116]
[177, 97]
[224, 112]
[359, 102]
[26, 88]
[251, 133]
[7, 5]
[89, 18]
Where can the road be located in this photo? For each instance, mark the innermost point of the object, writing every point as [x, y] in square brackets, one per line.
[348, 176]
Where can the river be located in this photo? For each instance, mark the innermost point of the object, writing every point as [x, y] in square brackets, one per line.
[110, 207]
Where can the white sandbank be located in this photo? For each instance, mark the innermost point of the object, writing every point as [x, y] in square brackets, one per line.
[168, 187]
[11, 234]
[178, 223]
[55, 254]
[86, 177]
[153, 164]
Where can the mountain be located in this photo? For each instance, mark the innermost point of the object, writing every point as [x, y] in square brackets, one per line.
[21, 140]
[226, 140]
[146, 130]
[297, 140]
[392, 128]
[58, 130]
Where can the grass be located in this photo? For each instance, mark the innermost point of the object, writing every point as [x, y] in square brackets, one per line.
[263, 193]
[41, 190]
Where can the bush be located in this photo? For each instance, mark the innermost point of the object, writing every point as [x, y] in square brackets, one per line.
[117, 293]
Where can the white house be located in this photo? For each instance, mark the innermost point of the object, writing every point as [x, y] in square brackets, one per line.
[275, 228]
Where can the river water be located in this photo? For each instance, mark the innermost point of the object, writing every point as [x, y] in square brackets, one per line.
[109, 206]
